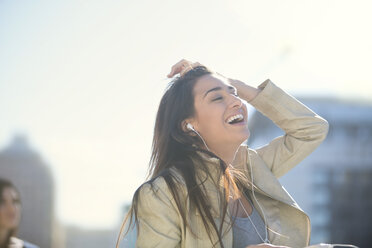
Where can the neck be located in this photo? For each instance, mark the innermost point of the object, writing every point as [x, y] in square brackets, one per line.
[226, 152]
[3, 236]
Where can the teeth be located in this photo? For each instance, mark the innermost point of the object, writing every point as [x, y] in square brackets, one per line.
[232, 118]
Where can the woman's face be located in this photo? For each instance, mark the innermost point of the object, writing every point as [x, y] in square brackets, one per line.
[10, 209]
[216, 105]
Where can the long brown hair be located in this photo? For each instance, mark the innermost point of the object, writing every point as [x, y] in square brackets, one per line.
[173, 147]
[3, 185]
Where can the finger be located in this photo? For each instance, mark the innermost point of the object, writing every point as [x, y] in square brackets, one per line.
[182, 67]
[175, 70]
[190, 67]
[178, 67]
[185, 69]
[172, 71]
[196, 64]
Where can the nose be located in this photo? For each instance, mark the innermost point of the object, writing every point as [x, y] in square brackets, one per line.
[236, 102]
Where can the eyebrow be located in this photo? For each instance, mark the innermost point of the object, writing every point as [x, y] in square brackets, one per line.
[218, 88]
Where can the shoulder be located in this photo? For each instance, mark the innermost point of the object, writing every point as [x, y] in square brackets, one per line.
[161, 189]
[154, 188]
[163, 181]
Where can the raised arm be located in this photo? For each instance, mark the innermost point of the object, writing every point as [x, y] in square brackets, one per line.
[304, 129]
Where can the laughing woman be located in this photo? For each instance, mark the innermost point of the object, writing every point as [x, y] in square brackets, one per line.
[207, 189]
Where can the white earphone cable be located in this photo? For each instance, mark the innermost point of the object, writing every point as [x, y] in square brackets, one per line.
[254, 226]
[266, 240]
[254, 196]
[189, 126]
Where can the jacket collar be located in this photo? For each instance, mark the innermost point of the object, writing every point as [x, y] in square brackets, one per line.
[263, 178]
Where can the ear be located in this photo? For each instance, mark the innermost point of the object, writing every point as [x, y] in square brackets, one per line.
[184, 123]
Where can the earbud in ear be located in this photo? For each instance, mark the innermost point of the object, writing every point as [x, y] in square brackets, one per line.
[189, 126]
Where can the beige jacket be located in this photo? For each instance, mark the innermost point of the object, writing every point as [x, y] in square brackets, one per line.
[160, 222]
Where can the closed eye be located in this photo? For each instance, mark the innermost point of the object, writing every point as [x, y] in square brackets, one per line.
[220, 97]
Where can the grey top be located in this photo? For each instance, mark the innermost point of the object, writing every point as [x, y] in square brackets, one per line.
[244, 233]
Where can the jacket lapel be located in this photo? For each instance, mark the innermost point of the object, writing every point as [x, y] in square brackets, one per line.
[264, 181]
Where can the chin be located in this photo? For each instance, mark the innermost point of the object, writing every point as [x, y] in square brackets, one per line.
[245, 135]
[241, 138]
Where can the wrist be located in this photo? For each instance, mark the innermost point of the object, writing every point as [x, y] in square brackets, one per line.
[245, 91]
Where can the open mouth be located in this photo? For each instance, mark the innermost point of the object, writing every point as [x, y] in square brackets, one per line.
[235, 119]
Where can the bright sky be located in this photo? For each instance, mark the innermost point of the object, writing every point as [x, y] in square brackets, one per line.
[83, 79]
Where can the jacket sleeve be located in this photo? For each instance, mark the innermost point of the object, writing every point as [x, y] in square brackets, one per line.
[158, 218]
[304, 129]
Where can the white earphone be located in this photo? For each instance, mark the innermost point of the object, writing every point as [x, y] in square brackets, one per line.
[190, 127]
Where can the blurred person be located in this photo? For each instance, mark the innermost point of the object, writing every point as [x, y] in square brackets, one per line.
[208, 189]
[10, 216]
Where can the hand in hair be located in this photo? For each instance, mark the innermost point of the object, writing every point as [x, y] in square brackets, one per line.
[182, 67]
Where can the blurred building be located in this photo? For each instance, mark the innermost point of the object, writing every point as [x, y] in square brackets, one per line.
[77, 237]
[333, 185]
[128, 240]
[23, 166]
[93, 238]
